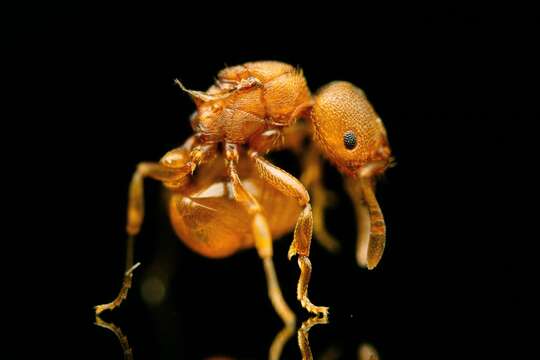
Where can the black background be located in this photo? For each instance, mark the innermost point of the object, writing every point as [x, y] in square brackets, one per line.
[453, 91]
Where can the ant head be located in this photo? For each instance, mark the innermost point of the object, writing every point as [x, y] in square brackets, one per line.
[347, 129]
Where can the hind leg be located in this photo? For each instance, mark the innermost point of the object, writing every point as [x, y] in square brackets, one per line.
[171, 172]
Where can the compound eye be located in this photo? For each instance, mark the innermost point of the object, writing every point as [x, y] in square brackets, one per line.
[349, 140]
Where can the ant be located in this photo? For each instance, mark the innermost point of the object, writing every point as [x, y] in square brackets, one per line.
[237, 199]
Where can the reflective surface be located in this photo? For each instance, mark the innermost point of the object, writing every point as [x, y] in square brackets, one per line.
[122, 339]
[186, 306]
[365, 351]
[183, 305]
[445, 113]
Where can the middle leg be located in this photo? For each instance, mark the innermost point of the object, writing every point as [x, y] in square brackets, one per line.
[261, 234]
[321, 198]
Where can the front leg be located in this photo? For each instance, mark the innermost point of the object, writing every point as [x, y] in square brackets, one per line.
[290, 186]
[292, 138]
[311, 177]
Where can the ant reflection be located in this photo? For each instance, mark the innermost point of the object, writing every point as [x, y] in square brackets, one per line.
[303, 332]
[128, 354]
[364, 352]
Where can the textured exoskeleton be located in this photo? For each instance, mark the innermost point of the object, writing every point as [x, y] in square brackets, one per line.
[225, 196]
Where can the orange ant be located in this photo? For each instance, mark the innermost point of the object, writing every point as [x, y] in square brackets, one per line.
[237, 199]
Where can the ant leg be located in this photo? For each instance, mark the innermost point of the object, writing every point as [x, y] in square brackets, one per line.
[289, 185]
[170, 176]
[321, 198]
[261, 234]
[128, 353]
[279, 342]
[303, 335]
[292, 138]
